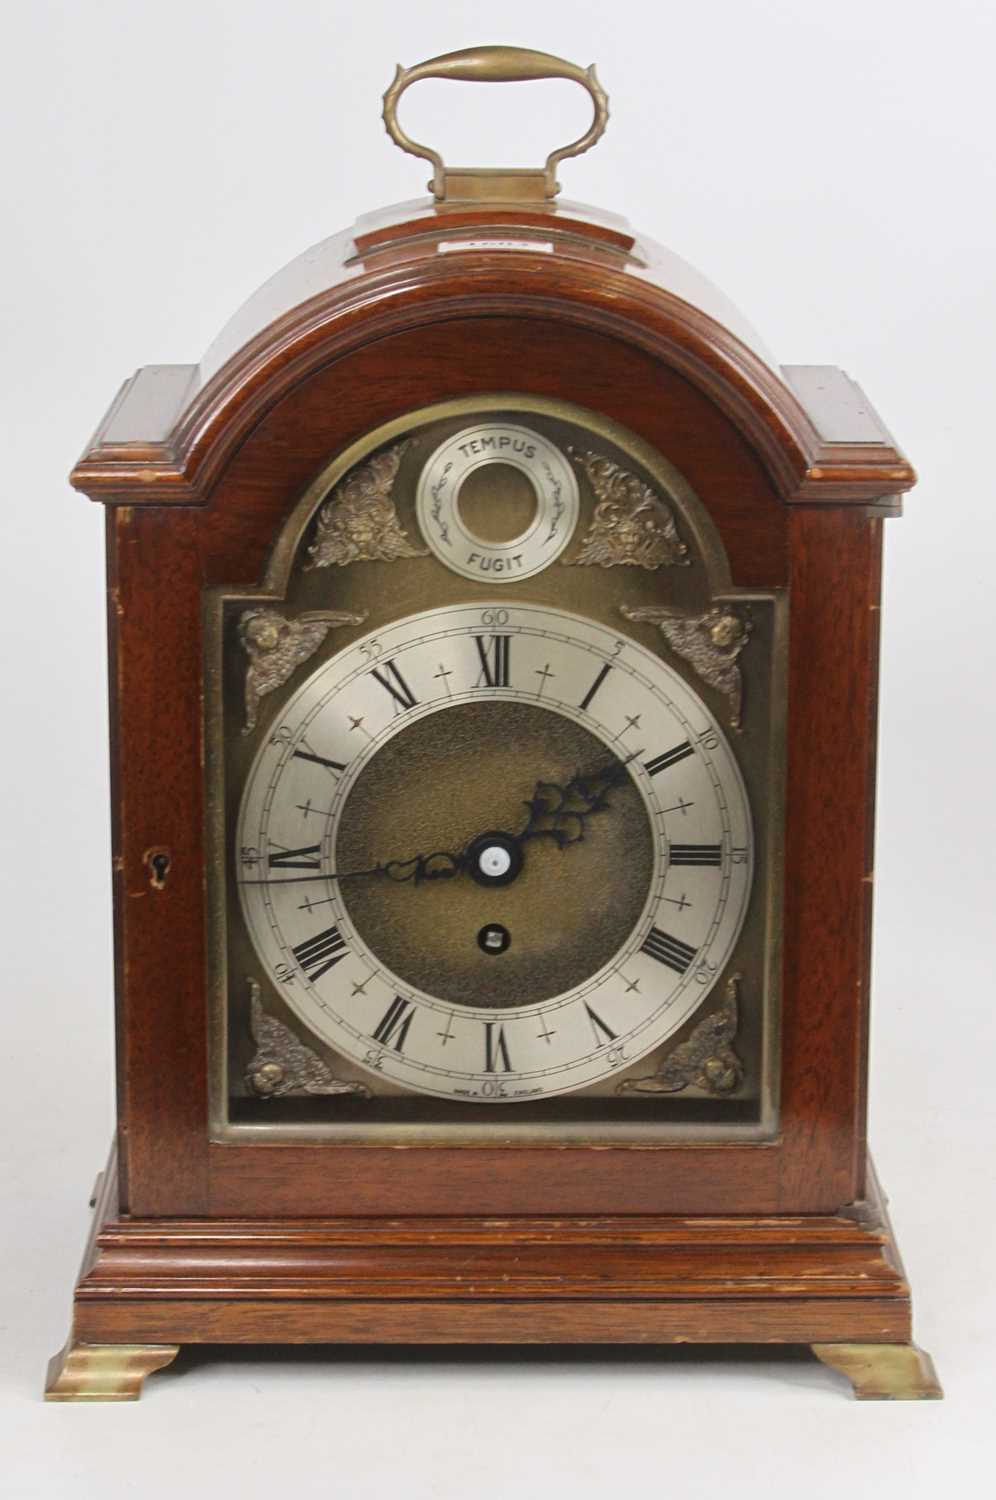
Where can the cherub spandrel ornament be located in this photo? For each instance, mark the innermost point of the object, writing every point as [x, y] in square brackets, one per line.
[710, 643]
[276, 646]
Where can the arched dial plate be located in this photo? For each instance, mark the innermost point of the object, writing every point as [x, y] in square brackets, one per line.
[494, 852]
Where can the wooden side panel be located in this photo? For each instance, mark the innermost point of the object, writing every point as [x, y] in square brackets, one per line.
[155, 581]
[835, 579]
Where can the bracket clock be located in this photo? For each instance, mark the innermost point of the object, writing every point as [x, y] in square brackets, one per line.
[493, 646]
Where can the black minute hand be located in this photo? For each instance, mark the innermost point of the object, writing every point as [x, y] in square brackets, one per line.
[420, 867]
[437, 866]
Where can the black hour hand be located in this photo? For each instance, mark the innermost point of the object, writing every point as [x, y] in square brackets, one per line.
[561, 812]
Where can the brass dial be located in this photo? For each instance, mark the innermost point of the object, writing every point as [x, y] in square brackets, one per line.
[494, 852]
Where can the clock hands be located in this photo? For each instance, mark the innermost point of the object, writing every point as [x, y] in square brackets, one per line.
[554, 811]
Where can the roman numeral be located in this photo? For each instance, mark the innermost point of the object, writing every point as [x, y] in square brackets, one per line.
[396, 685]
[494, 651]
[669, 758]
[696, 854]
[319, 760]
[601, 1032]
[394, 1023]
[295, 859]
[668, 950]
[320, 953]
[495, 1049]
[586, 700]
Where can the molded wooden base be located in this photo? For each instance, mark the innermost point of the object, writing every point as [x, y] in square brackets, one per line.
[834, 1282]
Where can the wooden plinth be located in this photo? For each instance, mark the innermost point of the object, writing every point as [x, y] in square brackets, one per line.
[147, 1286]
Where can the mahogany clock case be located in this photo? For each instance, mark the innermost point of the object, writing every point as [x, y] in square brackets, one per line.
[205, 1235]
[200, 510]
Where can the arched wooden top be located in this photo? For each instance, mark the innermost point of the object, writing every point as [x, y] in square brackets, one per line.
[170, 432]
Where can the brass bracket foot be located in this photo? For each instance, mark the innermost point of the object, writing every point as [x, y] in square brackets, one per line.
[104, 1372]
[884, 1372]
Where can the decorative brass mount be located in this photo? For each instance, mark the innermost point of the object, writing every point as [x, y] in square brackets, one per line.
[104, 1372]
[495, 65]
[884, 1372]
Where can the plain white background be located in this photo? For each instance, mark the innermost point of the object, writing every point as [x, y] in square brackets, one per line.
[830, 166]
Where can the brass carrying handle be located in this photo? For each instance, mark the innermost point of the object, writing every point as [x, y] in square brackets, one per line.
[495, 65]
